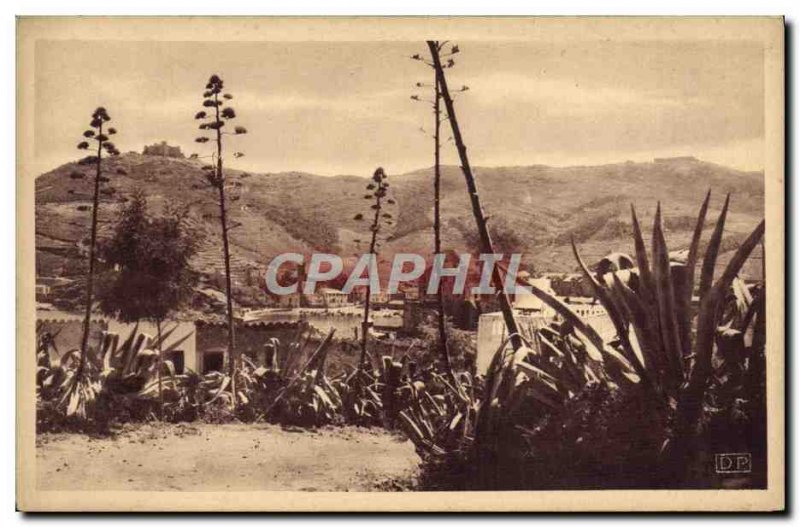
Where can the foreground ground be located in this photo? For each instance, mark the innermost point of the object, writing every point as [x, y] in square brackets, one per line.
[205, 457]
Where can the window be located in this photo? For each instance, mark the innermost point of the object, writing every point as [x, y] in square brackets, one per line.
[213, 361]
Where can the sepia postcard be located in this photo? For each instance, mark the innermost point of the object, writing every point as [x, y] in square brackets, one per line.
[400, 264]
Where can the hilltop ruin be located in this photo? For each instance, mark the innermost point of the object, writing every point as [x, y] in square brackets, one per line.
[162, 149]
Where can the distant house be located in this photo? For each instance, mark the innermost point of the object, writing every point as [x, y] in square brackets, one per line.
[586, 307]
[396, 305]
[359, 294]
[380, 297]
[326, 297]
[290, 301]
[409, 292]
[253, 275]
[333, 297]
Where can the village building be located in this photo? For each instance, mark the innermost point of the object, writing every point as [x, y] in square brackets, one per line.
[212, 342]
[410, 292]
[328, 297]
[359, 294]
[290, 301]
[253, 276]
[199, 346]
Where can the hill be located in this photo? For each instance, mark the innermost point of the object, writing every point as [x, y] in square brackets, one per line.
[535, 209]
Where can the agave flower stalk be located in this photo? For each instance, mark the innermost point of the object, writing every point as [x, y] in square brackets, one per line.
[215, 99]
[437, 234]
[378, 190]
[477, 210]
[95, 133]
[437, 229]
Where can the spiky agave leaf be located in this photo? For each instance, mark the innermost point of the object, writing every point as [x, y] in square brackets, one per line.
[615, 314]
[710, 258]
[646, 277]
[665, 302]
[645, 329]
[690, 402]
[684, 300]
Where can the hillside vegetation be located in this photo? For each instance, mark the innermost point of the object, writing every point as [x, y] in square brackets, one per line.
[543, 206]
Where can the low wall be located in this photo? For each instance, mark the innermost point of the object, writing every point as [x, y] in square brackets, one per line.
[68, 332]
[492, 330]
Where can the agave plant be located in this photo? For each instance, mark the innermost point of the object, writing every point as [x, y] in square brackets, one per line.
[182, 395]
[112, 368]
[738, 369]
[49, 376]
[662, 354]
[559, 362]
[361, 397]
[310, 401]
[437, 416]
[277, 391]
[308, 398]
[670, 344]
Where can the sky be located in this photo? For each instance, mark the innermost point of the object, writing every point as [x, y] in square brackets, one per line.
[344, 107]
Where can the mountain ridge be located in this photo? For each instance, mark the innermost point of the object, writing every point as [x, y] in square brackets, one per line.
[533, 209]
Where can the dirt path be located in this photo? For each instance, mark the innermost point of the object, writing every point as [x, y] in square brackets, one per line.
[202, 457]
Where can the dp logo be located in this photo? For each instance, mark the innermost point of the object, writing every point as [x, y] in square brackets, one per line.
[737, 463]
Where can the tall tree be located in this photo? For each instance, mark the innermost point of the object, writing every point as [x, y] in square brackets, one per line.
[215, 101]
[147, 259]
[101, 136]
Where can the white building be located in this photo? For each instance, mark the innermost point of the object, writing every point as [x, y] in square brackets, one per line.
[330, 297]
[530, 304]
[531, 316]
[492, 332]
